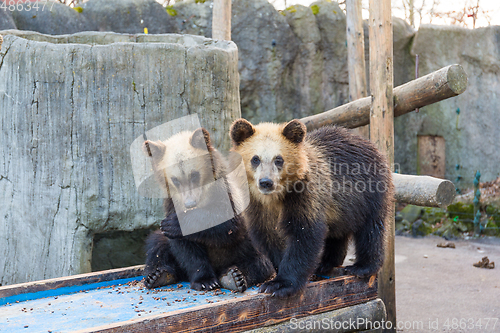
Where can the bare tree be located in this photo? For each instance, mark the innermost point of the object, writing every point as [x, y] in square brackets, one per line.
[465, 13]
[467, 16]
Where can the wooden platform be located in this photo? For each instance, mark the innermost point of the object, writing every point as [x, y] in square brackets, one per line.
[117, 301]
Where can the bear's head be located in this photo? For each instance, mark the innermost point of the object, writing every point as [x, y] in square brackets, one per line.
[183, 165]
[274, 154]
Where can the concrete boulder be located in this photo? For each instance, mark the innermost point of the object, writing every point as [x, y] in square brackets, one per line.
[6, 20]
[129, 16]
[267, 48]
[52, 18]
[194, 18]
[71, 109]
[468, 122]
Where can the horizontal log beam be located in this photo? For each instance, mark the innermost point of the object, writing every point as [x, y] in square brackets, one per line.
[423, 190]
[371, 312]
[447, 82]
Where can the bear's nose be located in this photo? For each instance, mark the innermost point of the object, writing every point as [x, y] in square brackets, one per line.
[266, 183]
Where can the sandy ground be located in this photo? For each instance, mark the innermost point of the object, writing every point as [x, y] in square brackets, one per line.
[438, 289]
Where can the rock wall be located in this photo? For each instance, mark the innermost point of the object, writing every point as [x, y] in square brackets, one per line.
[6, 20]
[470, 122]
[70, 109]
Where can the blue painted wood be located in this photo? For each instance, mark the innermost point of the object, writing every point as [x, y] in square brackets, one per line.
[63, 291]
[84, 307]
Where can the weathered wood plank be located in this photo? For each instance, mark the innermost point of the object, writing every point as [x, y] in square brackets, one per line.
[382, 129]
[431, 155]
[447, 82]
[75, 280]
[423, 190]
[356, 57]
[221, 20]
[253, 311]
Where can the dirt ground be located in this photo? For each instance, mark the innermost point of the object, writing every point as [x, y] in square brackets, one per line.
[439, 290]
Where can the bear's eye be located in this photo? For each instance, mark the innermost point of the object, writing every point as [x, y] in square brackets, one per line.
[195, 177]
[175, 181]
[278, 161]
[255, 161]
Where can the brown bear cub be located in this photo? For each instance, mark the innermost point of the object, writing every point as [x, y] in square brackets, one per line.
[221, 255]
[309, 194]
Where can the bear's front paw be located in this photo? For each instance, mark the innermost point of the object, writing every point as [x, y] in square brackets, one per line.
[171, 228]
[324, 269]
[361, 271]
[234, 280]
[160, 277]
[207, 285]
[279, 288]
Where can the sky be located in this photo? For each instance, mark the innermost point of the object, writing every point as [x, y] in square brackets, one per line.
[493, 6]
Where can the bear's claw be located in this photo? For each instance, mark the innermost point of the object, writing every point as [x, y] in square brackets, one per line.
[234, 280]
[160, 277]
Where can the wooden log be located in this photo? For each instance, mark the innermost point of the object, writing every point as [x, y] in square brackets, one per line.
[356, 57]
[175, 308]
[338, 321]
[255, 310]
[221, 20]
[423, 190]
[382, 131]
[447, 82]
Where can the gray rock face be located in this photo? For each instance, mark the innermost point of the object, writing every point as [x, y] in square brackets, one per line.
[129, 16]
[472, 135]
[267, 48]
[194, 18]
[6, 20]
[70, 108]
[53, 19]
[335, 82]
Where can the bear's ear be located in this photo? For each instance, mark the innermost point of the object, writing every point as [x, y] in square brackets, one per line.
[295, 131]
[154, 149]
[241, 130]
[201, 139]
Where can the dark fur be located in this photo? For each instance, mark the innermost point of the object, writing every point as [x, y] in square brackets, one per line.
[313, 232]
[204, 256]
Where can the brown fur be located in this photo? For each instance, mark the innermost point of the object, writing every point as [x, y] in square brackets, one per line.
[205, 256]
[304, 223]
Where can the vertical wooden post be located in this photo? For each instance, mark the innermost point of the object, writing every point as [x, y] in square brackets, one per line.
[221, 20]
[382, 128]
[356, 57]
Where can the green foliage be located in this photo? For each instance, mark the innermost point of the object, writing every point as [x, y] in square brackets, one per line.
[402, 227]
[420, 228]
[291, 9]
[412, 213]
[78, 9]
[493, 213]
[171, 11]
[452, 229]
[199, 1]
[491, 228]
[433, 215]
[315, 9]
[453, 222]
[465, 212]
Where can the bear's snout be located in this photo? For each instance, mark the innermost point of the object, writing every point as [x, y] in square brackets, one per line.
[266, 183]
